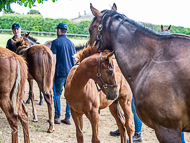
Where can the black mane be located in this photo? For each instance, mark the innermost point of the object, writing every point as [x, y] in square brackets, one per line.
[122, 18]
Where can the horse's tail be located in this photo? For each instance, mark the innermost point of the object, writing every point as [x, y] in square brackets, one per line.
[49, 70]
[18, 88]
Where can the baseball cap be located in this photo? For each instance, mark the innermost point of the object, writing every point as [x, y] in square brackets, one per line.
[62, 26]
[15, 25]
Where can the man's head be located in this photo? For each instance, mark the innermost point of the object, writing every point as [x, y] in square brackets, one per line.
[61, 29]
[16, 29]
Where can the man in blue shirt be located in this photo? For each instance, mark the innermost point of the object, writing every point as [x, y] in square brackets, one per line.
[63, 50]
[17, 34]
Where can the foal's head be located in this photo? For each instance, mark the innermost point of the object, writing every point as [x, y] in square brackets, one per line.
[103, 73]
[21, 45]
[31, 39]
[20, 42]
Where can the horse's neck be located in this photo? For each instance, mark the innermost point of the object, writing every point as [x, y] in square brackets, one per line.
[132, 53]
[82, 74]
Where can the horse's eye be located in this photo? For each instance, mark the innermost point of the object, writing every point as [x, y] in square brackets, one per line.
[109, 72]
[90, 31]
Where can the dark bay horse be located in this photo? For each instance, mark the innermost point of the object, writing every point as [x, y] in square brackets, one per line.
[41, 67]
[13, 71]
[156, 67]
[83, 97]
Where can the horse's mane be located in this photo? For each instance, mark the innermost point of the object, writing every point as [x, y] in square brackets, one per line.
[86, 52]
[79, 47]
[122, 18]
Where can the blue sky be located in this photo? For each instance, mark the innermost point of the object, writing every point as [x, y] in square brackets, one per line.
[159, 12]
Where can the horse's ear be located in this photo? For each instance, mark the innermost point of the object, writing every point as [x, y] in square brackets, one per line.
[95, 12]
[109, 57]
[169, 27]
[27, 34]
[13, 42]
[114, 7]
[162, 28]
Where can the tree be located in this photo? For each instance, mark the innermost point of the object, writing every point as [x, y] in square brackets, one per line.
[33, 12]
[5, 4]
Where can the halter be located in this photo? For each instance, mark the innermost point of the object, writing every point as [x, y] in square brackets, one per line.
[100, 28]
[99, 76]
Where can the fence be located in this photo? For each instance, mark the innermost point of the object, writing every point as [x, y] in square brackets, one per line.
[39, 33]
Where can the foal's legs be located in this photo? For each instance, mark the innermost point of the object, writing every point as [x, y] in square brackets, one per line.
[11, 118]
[23, 117]
[117, 114]
[49, 100]
[93, 116]
[31, 95]
[79, 125]
[166, 135]
[125, 103]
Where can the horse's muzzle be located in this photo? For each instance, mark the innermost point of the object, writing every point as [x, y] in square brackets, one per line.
[112, 94]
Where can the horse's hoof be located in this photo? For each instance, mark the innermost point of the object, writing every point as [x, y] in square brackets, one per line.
[28, 101]
[35, 120]
[50, 131]
[41, 103]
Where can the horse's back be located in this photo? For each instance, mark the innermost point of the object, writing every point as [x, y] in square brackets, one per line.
[41, 65]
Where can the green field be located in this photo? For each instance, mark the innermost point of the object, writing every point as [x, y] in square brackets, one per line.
[5, 37]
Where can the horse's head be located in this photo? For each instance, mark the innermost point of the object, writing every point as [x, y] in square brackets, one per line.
[164, 29]
[101, 69]
[21, 45]
[108, 76]
[97, 26]
[20, 42]
[30, 39]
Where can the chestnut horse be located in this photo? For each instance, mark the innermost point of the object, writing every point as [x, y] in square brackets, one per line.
[156, 67]
[83, 97]
[13, 71]
[32, 41]
[41, 67]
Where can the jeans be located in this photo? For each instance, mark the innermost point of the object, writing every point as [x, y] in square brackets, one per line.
[138, 122]
[182, 137]
[59, 83]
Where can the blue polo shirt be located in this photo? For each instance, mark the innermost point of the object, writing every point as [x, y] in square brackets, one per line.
[10, 46]
[64, 50]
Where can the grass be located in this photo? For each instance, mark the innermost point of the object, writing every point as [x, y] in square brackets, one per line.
[5, 37]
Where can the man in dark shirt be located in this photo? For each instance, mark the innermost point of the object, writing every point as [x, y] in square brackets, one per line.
[17, 34]
[63, 50]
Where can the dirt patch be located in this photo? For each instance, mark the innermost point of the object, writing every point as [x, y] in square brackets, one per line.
[67, 133]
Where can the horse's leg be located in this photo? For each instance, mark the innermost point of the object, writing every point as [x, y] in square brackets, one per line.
[23, 117]
[11, 118]
[126, 106]
[166, 135]
[49, 100]
[31, 95]
[77, 118]
[93, 116]
[41, 99]
[117, 114]
[30, 81]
